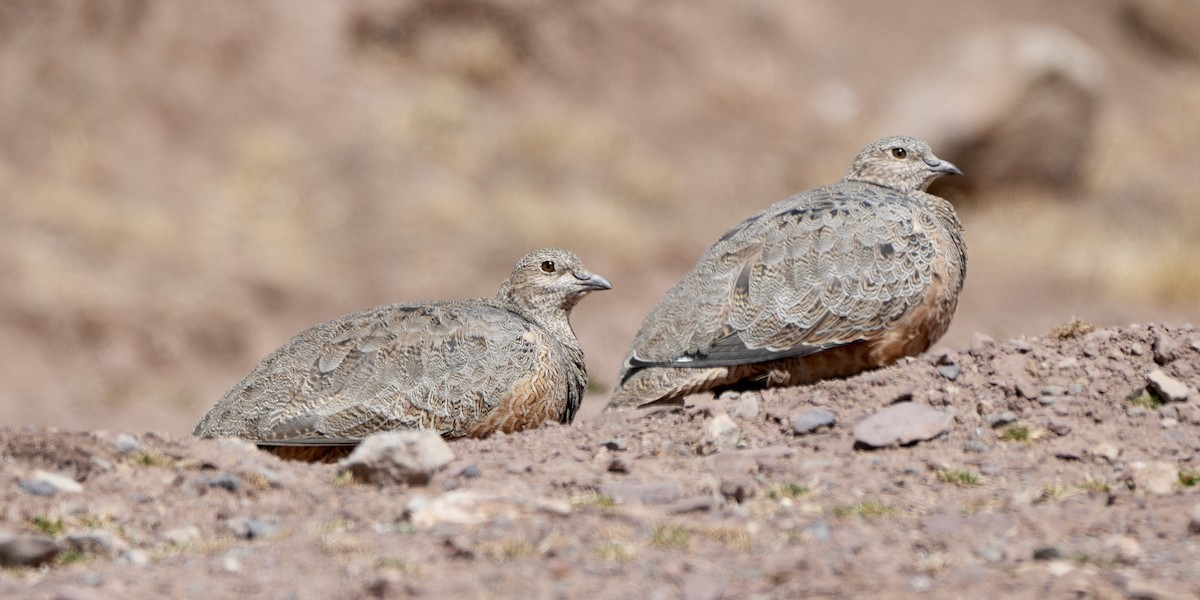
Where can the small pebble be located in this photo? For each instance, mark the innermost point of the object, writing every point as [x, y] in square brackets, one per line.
[1002, 419]
[811, 420]
[224, 481]
[950, 372]
[615, 444]
[975, 446]
[126, 443]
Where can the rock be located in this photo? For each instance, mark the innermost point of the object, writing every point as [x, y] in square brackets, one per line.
[26, 549]
[459, 507]
[976, 447]
[1166, 348]
[398, 457]
[615, 444]
[37, 488]
[98, 542]
[641, 493]
[1107, 451]
[250, 528]
[126, 443]
[182, 536]
[812, 420]
[1024, 388]
[1047, 553]
[1167, 388]
[1002, 419]
[61, 483]
[1054, 390]
[1059, 426]
[746, 407]
[222, 481]
[1017, 105]
[720, 433]
[950, 372]
[980, 342]
[900, 424]
[1194, 520]
[1125, 550]
[1157, 478]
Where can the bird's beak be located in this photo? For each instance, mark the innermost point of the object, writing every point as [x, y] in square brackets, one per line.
[593, 282]
[944, 167]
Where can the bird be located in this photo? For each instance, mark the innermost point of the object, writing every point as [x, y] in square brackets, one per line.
[462, 368]
[826, 283]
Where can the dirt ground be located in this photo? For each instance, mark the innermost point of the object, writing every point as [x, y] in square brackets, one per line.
[1060, 476]
[184, 186]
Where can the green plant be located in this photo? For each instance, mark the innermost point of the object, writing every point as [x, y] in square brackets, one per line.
[49, 527]
[1146, 400]
[666, 535]
[594, 500]
[786, 490]
[867, 509]
[1015, 433]
[1189, 477]
[959, 477]
[1094, 486]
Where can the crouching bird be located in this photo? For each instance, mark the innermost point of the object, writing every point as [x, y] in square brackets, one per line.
[826, 283]
[459, 367]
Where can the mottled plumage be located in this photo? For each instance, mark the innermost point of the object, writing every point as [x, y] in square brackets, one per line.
[461, 368]
[826, 283]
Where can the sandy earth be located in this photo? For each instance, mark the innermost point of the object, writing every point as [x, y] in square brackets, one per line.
[1059, 476]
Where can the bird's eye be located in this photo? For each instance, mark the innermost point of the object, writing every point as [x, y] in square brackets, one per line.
[548, 266]
[899, 152]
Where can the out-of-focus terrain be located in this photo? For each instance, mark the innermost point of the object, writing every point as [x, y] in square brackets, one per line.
[185, 185]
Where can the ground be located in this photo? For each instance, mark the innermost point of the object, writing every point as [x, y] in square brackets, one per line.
[184, 186]
[1063, 473]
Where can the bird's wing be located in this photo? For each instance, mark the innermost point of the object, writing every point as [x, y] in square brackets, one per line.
[829, 267]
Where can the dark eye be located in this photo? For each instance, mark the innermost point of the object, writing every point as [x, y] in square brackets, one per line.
[899, 152]
[547, 266]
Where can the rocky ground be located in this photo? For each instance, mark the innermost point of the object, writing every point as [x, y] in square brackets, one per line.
[1062, 466]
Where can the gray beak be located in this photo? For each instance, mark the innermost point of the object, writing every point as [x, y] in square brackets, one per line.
[593, 282]
[944, 167]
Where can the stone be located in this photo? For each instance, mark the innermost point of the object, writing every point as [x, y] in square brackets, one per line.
[98, 542]
[1059, 426]
[1167, 388]
[398, 457]
[1005, 418]
[901, 424]
[1125, 550]
[1194, 519]
[746, 407]
[719, 433]
[182, 536]
[1018, 105]
[1156, 478]
[126, 443]
[250, 528]
[811, 420]
[615, 444]
[26, 549]
[222, 481]
[61, 483]
[1166, 349]
[950, 372]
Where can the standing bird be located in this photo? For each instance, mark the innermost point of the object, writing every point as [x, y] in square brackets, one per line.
[460, 367]
[827, 283]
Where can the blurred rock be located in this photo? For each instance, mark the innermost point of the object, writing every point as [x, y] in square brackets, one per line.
[1169, 25]
[900, 424]
[21, 549]
[811, 420]
[1167, 388]
[1156, 478]
[1014, 105]
[720, 433]
[408, 457]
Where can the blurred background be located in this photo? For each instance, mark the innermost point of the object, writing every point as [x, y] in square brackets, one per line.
[185, 185]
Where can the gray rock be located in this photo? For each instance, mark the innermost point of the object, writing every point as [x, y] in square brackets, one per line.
[1166, 387]
[980, 342]
[250, 528]
[950, 372]
[37, 488]
[1166, 348]
[1002, 419]
[975, 446]
[1059, 426]
[222, 481]
[26, 549]
[811, 420]
[398, 457]
[1054, 390]
[900, 424]
[61, 483]
[641, 493]
[746, 407]
[1024, 388]
[97, 542]
[126, 443]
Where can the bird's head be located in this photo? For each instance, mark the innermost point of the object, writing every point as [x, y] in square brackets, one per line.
[551, 278]
[901, 163]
